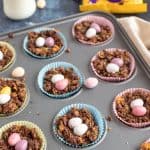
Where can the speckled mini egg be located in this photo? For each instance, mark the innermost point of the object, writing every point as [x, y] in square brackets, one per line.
[80, 130]
[139, 111]
[74, 122]
[40, 41]
[57, 77]
[13, 139]
[18, 72]
[91, 82]
[112, 68]
[96, 27]
[91, 32]
[62, 84]
[6, 90]
[118, 61]
[22, 145]
[1, 55]
[49, 42]
[4, 98]
[136, 102]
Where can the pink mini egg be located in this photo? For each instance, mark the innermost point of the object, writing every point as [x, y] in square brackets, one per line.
[22, 145]
[62, 84]
[139, 111]
[49, 42]
[13, 139]
[117, 61]
[96, 27]
[91, 82]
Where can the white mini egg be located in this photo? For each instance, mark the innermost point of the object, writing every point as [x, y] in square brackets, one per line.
[57, 77]
[4, 98]
[112, 68]
[74, 122]
[18, 72]
[40, 41]
[41, 4]
[1, 55]
[91, 32]
[80, 130]
[136, 103]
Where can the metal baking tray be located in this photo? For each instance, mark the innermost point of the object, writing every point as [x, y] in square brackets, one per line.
[42, 109]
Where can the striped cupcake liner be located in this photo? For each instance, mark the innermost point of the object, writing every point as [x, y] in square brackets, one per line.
[98, 119]
[99, 20]
[54, 65]
[131, 90]
[29, 125]
[53, 56]
[114, 79]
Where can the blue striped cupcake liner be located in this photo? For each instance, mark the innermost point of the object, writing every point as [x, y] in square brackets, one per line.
[60, 52]
[54, 65]
[100, 121]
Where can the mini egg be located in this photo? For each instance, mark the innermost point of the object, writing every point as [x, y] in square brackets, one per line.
[80, 130]
[41, 4]
[91, 82]
[91, 32]
[18, 72]
[62, 84]
[139, 111]
[96, 27]
[13, 139]
[6, 90]
[49, 42]
[112, 68]
[74, 122]
[40, 41]
[4, 98]
[136, 102]
[22, 145]
[117, 61]
[1, 55]
[57, 77]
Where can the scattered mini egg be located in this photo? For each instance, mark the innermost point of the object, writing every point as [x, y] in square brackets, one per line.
[74, 122]
[80, 130]
[136, 102]
[1, 55]
[4, 98]
[18, 72]
[62, 84]
[57, 77]
[91, 32]
[41, 4]
[49, 42]
[117, 61]
[13, 139]
[6, 90]
[112, 68]
[22, 145]
[139, 111]
[96, 27]
[91, 82]
[40, 41]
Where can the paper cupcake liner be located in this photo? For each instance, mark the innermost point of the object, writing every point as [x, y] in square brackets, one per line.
[99, 20]
[60, 52]
[11, 48]
[135, 125]
[24, 105]
[114, 79]
[147, 141]
[98, 119]
[29, 125]
[56, 65]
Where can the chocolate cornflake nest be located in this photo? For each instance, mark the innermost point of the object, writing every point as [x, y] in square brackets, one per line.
[74, 81]
[66, 132]
[145, 145]
[44, 51]
[18, 96]
[29, 134]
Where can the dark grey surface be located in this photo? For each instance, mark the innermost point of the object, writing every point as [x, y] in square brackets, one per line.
[121, 136]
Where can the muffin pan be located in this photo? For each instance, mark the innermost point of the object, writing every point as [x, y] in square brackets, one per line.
[42, 109]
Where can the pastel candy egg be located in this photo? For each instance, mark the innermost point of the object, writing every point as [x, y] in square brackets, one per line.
[41, 4]
[91, 82]
[22, 145]
[91, 32]
[112, 68]
[18, 72]
[49, 42]
[57, 77]
[62, 84]
[96, 27]
[40, 41]
[136, 102]
[1, 55]
[74, 122]
[139, 111]
[80, 130]
[6, 90]
[117, 61]
[4, 98]
[13, 139]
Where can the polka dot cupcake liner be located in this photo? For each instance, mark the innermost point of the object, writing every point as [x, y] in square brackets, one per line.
[98, 20]
[98, 119]
[114, 79]
[56, 65]
[135, 125]
[53, 56]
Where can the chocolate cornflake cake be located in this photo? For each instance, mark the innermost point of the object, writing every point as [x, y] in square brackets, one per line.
[145, 145]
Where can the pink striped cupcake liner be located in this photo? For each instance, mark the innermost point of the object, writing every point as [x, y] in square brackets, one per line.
[114, 79]
[131, 90]
[98, 20]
